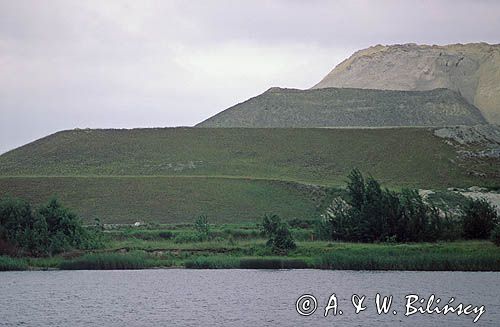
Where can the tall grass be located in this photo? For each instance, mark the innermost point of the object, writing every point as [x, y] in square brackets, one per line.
[408, 261]
[273, 263]
[107, 261]
[11, 264]
[228, 262]
[212, 262]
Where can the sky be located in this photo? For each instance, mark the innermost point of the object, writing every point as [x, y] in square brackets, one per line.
[68, 64]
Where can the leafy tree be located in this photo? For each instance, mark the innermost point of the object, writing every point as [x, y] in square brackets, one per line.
[413, 215]
[15, 217]
[280, 238]
[338, 224]
[479, 219]
[373, 212]
[356, 189]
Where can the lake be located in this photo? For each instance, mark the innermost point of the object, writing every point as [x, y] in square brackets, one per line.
[182, 297]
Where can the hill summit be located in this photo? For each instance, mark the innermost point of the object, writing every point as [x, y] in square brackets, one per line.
[472, 70]
[348, 107]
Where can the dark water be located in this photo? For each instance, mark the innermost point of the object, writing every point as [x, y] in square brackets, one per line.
[254, 298]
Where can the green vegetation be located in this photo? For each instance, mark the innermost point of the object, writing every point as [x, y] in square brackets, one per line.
[479, 219]
[108, 261]
[398, 157]
[408, 257]
[369, 213]
[170, 175]
[495, 235]
[246, 246]
[363, 212]
[274, 263]
[10, 264]
[330, 107]
[165, 177]
[202, 228]
[142, 247]
[49, 230]
[169, 199]
[280, 238]
[212, 262]
[373, 214]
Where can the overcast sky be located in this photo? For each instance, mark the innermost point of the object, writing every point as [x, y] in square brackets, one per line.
[121, 64]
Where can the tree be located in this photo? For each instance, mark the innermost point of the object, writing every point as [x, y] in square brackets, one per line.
[338, 224]
[479, 219]
[356, 189]
[280, 238]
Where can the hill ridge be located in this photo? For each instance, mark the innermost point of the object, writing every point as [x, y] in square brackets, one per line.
[348, 107]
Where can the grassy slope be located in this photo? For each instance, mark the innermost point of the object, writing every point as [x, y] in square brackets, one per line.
[168, 199]
[398, 157]
[228, 174]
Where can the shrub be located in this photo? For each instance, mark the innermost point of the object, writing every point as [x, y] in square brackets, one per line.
[280, 238]
[479, 219]
[372, 214]
[49, 230]
[202, 227]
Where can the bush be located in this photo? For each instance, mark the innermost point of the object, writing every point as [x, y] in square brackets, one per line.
[202, 227]
[495, 235]
[280, 238]
[479, 219]
[49, 230]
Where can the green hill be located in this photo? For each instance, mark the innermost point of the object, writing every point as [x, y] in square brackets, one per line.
[173, 174]
[330, 107]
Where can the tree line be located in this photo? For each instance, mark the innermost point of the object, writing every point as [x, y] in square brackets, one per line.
[46, 230]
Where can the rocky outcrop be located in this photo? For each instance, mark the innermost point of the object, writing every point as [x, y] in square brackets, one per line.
[472, 70]
[481, 141]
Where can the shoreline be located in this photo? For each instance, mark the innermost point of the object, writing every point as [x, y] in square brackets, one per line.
[36, 269]
[477, 256]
